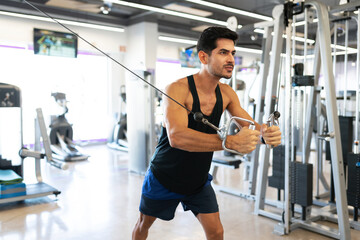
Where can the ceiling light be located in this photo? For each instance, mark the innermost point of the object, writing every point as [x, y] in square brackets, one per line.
[185, 9]
[233, 10]
[106, 8]
[248, 50]
[177, 40]
[66, 22]
[169, 12]
[254, 37]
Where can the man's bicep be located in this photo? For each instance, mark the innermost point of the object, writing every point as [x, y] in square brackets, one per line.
[175, 115]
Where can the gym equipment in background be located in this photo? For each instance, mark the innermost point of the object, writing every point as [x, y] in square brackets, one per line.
[293, 162]
[353, 158]
[11, 137]
[118, 138]
[61, 135]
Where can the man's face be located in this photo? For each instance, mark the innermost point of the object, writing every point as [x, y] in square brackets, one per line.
[221, 61]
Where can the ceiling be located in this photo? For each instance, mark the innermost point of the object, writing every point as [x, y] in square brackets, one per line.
[89, 11]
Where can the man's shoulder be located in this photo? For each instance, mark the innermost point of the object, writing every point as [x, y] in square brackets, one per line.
[180, 84]
[226, 88]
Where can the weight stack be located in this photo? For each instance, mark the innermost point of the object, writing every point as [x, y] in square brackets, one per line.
[278, 168]
[301, 183]
[353, 191]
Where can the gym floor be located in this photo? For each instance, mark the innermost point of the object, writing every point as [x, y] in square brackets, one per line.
[100, 199]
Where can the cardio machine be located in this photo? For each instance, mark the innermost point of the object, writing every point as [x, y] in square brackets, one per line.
[118, 139]
[61, 135]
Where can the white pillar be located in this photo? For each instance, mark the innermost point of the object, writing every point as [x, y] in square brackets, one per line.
[140, 58]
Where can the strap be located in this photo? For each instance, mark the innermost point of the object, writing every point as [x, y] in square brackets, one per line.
[196, 101]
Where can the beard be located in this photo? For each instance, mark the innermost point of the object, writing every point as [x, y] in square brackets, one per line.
[219, 72]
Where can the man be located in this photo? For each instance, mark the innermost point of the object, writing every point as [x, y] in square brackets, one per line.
[179, 168]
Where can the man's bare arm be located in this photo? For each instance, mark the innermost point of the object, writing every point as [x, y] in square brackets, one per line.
[176, 122]
[271, 135]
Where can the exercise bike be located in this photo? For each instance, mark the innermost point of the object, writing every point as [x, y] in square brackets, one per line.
[61, 135]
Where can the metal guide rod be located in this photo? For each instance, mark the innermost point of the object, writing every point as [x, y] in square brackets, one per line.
[288, 129]
[346, 64]
[356, 148]
[314, 99]
[293, 42]
[335, 43]
[288, 100]
[304, 116]
[305, 37]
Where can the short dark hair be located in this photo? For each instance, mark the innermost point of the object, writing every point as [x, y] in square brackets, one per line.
[207, 40]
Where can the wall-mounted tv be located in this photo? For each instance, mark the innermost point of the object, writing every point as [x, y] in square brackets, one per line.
[51, 43]
[189, 58]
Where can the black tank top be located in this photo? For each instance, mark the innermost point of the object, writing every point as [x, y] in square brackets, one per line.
[182, 171]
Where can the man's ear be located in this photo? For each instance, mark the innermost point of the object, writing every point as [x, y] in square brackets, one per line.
[203, 57]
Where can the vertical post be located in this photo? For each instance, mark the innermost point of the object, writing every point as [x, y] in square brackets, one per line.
[356, 142]
[271, 87]
[346, 65]
[310, 119]
[288, 139]
[335, 43]
[259, 112]
[37, 147]
[142, 38]
[304, 123]
[305, 37]
[333, 120]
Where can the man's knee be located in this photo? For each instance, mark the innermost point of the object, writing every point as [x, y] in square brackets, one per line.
[215, 233]
[144, 223]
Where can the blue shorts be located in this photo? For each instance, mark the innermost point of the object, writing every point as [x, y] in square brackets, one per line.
[159, 202]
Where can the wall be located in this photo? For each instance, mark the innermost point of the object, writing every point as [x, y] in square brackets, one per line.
[89, 78]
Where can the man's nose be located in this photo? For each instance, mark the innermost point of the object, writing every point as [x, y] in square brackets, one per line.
[230, 58]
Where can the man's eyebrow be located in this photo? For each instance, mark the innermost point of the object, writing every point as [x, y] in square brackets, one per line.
[227, 50]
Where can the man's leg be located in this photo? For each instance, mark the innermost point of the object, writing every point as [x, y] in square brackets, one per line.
[142, 226]
[212, 225]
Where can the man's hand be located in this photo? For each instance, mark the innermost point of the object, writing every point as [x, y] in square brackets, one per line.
[271, 135]
[244, 141]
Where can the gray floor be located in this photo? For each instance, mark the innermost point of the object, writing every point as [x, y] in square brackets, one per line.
[100, 198]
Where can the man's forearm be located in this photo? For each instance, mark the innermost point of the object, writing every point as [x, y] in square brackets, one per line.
[194, 141]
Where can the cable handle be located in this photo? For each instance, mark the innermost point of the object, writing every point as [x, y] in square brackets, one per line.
[223, 131]
[273, 120]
